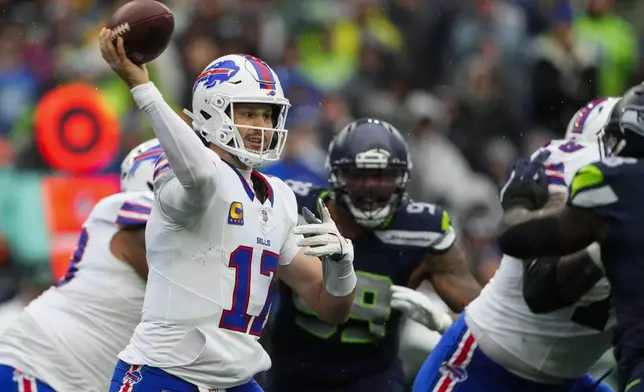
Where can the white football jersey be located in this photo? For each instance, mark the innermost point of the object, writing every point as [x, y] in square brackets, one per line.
[209, 287]
[564, 343]
[70, 336]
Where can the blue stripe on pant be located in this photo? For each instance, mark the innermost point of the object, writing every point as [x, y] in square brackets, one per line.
[138, 378]
[457, 364]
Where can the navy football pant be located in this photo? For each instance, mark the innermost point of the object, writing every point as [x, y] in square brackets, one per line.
[138, 378]
[457, 364]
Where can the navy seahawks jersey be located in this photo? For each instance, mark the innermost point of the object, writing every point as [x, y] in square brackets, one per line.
[303, 347]
[614, 190]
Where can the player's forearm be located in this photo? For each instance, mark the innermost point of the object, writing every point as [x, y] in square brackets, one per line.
[531, 234]
[456, 290]
[185, 152]
[337, 292]
[551, 283]
[451, 277]
[334, 310]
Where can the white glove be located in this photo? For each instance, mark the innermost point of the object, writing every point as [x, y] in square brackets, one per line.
[322, 238]
[418, 307]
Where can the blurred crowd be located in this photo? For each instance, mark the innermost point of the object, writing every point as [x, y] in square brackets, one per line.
[471, 83]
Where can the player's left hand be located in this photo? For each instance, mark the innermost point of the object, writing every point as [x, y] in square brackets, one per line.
[418, 307]
[527, 185]
[322, 237]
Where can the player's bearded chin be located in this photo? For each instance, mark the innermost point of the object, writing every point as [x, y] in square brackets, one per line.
[370, 193]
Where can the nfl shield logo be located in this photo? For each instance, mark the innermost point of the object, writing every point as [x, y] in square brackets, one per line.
[264, 216]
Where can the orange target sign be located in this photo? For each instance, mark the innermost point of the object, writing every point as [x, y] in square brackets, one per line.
[76, 130]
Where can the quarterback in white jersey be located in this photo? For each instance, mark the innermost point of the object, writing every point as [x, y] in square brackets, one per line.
[220, 232]
[68, 338]
[526, 335]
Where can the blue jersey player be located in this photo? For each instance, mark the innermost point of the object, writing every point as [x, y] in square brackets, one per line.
[397, 244]
[604, 212]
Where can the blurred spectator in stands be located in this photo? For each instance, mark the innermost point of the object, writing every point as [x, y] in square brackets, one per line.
[498, 155]
[440, 169]
[302, 159]
[497, 24]
[18, 83]
[564, 73]
[483, 106]
[617, 42]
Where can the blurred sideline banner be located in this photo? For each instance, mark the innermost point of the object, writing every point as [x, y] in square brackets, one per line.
[67, 204]
[42, 215]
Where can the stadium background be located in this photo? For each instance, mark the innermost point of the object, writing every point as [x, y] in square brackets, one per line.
[471, 83]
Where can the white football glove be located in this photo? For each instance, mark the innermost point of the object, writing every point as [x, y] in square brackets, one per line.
[418, 307]
[322, 238]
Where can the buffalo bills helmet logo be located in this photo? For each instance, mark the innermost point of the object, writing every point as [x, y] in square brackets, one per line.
[219, 72]
[457, 373]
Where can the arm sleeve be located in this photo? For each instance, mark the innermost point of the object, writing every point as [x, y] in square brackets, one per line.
[289, 248]
[191, 162]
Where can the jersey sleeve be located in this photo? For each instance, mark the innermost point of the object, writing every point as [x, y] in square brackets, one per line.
[135, 210]
[191, 161]
[439, 226]
[566, 158]
[594, 187]
[289, 248]
[420, 225]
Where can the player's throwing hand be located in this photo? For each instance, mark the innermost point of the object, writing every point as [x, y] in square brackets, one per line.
[115, 56]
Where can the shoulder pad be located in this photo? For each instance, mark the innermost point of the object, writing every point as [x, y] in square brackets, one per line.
[162, 172]
[596, 186]
[420, 225]
[565, 159]
[307, 195]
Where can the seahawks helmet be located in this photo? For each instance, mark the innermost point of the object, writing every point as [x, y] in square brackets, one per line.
[369, 167]
[623, 135]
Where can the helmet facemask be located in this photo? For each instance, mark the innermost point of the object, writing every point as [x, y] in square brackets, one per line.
[216, 125]
[613, 138]
[371, 189]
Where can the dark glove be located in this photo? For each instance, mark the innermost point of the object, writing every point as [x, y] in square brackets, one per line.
[527, 184]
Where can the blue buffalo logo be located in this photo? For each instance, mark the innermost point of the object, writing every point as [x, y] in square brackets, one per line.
[457, 373]
[219, 72]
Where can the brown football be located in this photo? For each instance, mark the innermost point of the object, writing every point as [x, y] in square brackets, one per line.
[146, 27]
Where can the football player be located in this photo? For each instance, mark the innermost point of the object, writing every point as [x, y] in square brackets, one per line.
[68, 338]
[220, 232]
[603, 218]
[520, 335]
[398, 243]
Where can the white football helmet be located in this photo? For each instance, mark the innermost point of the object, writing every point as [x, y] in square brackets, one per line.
[585, 125]
[231, 80]
[137, 169]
